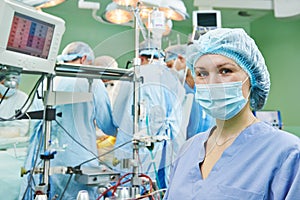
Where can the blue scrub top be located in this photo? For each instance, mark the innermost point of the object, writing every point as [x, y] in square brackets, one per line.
[262, 163]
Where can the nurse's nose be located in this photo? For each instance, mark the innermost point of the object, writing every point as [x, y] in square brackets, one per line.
[214, 78]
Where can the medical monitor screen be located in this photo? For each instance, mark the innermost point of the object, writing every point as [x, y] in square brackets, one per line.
[206, 19]
[30, 36]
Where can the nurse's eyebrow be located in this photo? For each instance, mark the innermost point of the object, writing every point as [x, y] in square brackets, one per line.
[218, 65]
[227, 63]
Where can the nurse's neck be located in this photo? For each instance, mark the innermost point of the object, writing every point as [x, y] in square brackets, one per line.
[236, 124]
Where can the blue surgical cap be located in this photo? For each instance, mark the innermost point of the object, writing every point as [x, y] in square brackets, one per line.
[173, 51]
[76, 50]
[2, 77]
[238, 46]
[151, 48]
[13, 76]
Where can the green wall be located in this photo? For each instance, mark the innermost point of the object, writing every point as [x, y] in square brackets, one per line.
[279, 41]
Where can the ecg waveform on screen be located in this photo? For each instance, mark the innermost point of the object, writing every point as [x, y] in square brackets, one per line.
[30, 36]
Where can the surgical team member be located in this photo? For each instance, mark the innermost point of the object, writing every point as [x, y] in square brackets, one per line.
[109, 62]
[75, 131]
[160, 100]
[13, 100]
[175, 59]
[105, 143]
[241, 157]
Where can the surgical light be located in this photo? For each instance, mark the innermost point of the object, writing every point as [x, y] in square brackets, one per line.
[126, 2]
[174, 10]
[117, 14]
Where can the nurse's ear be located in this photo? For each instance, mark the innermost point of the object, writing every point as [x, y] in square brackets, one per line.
[83, 59]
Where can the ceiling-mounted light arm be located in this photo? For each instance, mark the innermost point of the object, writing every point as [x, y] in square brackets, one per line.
[88, 5]
[185, 14]
[39, 4]
[139, 21]
[94, 6]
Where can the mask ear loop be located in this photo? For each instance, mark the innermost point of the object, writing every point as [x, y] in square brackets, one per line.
[185, 73]
[249, 88]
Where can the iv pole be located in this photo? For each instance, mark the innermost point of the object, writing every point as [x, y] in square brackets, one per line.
[136, 63]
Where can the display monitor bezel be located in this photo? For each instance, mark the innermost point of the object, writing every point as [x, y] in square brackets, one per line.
[25, 60]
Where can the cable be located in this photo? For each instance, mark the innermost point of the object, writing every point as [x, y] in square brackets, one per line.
[85, 148]
[114, 187]
[97, 157]
[33, 91]
[110, 188]
[34, 165]
[67, 185]
[152, 193]
[3, 97]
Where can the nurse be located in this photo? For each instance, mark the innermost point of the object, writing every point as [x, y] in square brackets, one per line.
[241, 157]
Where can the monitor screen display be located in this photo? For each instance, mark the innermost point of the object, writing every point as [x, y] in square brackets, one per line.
[30, 36]
[207, 19]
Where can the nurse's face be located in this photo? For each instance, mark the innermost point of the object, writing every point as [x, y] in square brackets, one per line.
[214, 69]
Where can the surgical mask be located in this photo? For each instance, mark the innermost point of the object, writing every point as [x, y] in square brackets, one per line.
[10, 92]
[221, 101]
[181, 74]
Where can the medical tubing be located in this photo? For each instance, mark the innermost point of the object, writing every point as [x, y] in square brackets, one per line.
[97, 157]
[85, 148]
[151, 153]
[66, 187]
[110, 188]
[114, 187]
[33, 91]
[119, 182]
[3, 97]
[34, 165]
[155, 169]
[141, 175]
[152, 193]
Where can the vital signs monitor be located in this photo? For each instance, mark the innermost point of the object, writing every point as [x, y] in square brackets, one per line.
[29, 38]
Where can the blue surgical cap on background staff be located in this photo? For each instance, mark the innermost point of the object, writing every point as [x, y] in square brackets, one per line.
[2, 77]
[173, 51]
[76, 50]
[238, 46]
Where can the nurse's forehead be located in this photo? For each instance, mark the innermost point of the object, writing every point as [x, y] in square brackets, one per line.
[213, 61]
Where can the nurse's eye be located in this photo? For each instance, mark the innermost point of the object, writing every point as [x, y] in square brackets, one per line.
[201, 73]
[225, 71]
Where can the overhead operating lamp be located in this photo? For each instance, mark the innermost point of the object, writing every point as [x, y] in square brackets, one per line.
[174, 10]
[117, 14]
[145, 12]
[126, 2]
[121, 11]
